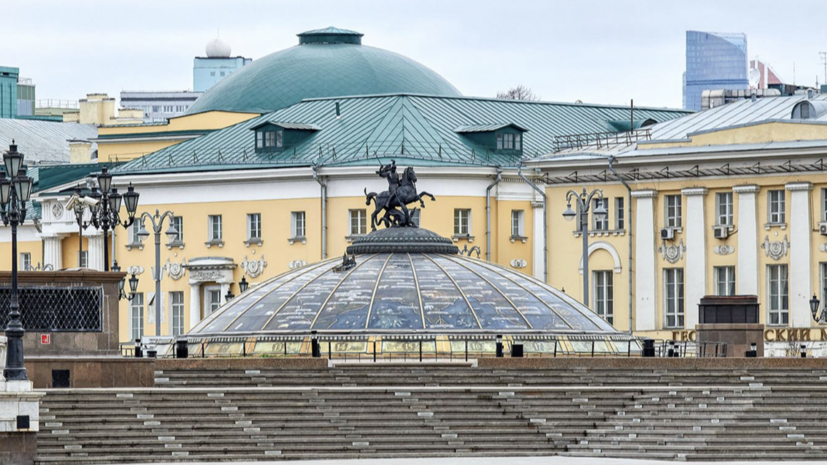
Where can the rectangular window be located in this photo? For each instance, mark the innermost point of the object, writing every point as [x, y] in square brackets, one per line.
[620, 214]
[600, 224]
[673, 211]
[25, 261]
[176, 303]
[517, 217]
[462, 222]
[499, 141]
[134, 238]
[776, 207]
[213, 300]
[518, 141]
[823, 204]
[724, 280]
[723, 207]
[254, 226]
[823, 279]
[298, 224]
[279, 139]
[84, 259]
[778, 295]
[673, 297]
[259, 140]
[178, 223]
[269, 139]
[604, 295]
[508, 141]
[215, 232]
[137, 315]
[358, 222]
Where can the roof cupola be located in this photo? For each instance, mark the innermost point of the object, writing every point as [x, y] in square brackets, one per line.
[330, 35]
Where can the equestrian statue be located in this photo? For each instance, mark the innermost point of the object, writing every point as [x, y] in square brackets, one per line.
[401, 191]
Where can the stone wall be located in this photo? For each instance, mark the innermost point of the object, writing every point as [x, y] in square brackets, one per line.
[103, 342]
[93, 372]
[18, 448]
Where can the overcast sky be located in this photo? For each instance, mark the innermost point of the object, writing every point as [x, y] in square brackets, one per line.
[595, 51]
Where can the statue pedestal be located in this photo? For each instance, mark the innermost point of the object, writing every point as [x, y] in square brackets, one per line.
[19, 418]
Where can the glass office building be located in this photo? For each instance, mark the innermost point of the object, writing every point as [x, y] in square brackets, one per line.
[714, 61]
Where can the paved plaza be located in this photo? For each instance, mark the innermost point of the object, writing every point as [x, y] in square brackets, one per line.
[558, 460]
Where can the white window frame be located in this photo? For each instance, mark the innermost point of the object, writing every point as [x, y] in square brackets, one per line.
[824, 204]
[176, 313]
[673, 211]
[517, 223]
[25, 261]
[778, 301]
[298, 224]
[776, 206]
[598, 224]
[136, 316]
[178, 223]
[462, 222]
[84, 259]
[620, 214]
[212, 221]
[822, 267]
[518, 141]
[603, 291]
[723, 209]
[724, 280]
[357, 217]
[211, 305]
[674, 302]
[260, 139]
[254, 227]
[134, 238]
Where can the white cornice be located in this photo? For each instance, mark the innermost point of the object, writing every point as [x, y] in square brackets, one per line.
[645, 194]
[694, 191]
[799, 186]
[746, 189]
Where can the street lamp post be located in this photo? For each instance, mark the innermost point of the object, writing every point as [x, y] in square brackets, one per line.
[583, 200]
[157, 221]
[15, 191]
[105, 214]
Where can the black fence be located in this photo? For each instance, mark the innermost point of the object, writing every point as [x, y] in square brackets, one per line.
[56, 309]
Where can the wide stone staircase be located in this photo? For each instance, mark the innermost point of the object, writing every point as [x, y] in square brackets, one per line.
[465, 374]
[441, 410]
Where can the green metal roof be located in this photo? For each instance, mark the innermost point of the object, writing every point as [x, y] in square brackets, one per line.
[323, 66]
[414, 129]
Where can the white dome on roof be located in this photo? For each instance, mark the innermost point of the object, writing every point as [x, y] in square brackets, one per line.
[218, 48]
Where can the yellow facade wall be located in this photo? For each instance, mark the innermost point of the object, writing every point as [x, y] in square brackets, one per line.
[753, 134]
[35, 248]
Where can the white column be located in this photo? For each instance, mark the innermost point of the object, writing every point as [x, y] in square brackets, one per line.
[95, 251]
[195, 305]
[225, 287]
[800, 268]
[539, 221]
[695, 230]
[52, 252]
[645, 282]
[746, 274]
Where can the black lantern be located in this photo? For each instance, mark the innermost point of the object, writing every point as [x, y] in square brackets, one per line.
[13, 160]
[115, 200]
[228, 296]
[133, 284]
[814, 306]
[5, 189]
[243, 285]
[131, 201]
[105, 180]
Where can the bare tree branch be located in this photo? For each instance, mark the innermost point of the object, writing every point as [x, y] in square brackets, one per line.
[520, 92]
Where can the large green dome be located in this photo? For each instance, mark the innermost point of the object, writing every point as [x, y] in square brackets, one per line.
[327, 62]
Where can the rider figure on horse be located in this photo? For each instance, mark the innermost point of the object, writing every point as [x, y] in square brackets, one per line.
[389, 172]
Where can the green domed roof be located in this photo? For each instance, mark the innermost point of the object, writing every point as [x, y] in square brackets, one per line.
[329, 62]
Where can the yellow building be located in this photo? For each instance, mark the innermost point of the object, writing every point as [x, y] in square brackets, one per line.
[732, 200]
[267, 172]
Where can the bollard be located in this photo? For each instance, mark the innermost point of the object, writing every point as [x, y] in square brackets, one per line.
[648, 347]
[181, 349]
[499, 346]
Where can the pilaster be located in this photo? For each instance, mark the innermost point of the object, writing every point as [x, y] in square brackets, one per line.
[645, 282]
[95, 251]
[195, 304]
[746, 274]
[800, 254]
[537, 242]
[52, 252]
[695, 276]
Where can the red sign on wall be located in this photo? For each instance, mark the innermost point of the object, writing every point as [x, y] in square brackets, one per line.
[46, 339]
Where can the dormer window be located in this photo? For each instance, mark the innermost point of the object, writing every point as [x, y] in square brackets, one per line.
[275, 137]
[500, 138]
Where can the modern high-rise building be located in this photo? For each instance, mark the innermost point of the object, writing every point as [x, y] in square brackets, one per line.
[218, 64]
[714, 61]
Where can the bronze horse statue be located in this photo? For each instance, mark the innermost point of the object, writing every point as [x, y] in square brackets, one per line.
[405, 194]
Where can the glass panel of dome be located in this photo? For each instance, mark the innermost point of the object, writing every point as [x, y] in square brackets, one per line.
[300, 311]
[578, 317]
[493, 310]
[391, 308]
[540, 315]
[443, 304]
[348, 306]
[256, 317]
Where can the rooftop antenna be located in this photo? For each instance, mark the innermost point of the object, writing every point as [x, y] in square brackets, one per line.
[823, 56]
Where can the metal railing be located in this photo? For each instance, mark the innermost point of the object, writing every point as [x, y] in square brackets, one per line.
[600, 139]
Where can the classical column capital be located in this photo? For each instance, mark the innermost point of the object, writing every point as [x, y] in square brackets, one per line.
[799, 186]
[746, 189]
[695, 191]
[645, 194]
